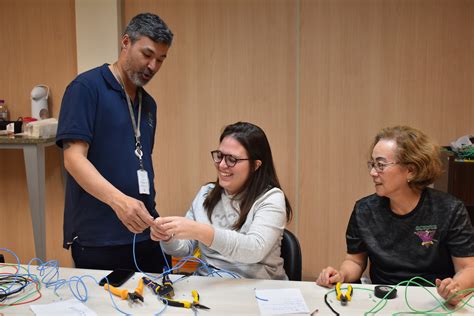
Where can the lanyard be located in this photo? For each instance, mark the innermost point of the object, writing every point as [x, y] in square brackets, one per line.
[135, 124]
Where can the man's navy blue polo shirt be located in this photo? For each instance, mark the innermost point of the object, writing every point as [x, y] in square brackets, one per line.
[94, 109]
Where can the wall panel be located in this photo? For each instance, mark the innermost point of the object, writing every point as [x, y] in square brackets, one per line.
[230, 61]
[38, 47]
[319, 76]
[366, 65]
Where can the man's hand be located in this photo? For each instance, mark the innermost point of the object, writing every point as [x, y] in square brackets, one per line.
[132, 213]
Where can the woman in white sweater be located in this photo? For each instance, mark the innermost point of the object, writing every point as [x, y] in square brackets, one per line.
[238, 220]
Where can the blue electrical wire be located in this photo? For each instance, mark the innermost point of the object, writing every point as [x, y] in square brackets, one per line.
[48, 274]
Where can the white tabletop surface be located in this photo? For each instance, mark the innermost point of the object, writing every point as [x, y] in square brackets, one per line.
[227, 297]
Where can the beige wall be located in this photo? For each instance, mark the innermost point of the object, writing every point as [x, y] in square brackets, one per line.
[98, 29]
[38, 46]
[366, 65]
[321, 77]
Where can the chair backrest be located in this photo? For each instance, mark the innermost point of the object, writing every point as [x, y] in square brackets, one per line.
[291, 254]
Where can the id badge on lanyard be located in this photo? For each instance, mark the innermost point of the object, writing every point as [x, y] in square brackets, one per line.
[143, 183]
[142, 174]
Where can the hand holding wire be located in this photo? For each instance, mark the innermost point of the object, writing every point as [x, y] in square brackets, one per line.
[447, 289]
[132, 213]
[157, 231]
[177, 226]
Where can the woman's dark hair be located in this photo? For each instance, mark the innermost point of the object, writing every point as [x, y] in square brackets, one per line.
[260, 180]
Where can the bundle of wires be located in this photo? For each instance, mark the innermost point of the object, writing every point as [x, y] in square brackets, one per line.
[17, 288]
[11, 285]
[466, 152]
[440, 309]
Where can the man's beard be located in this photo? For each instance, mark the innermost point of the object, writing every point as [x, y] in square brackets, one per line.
[136, 78]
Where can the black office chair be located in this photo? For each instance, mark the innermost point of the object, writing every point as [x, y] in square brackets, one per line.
[291, 254]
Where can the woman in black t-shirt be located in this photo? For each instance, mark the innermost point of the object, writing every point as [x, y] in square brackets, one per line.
[407, 229]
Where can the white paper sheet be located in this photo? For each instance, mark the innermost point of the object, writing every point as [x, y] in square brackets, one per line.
[70, 307]
[281, 301]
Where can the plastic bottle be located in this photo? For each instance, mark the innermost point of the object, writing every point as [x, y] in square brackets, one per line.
[3, 111]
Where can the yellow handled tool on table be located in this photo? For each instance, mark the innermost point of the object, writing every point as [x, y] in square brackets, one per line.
[186, 304]
[343, 297]
[124, 294]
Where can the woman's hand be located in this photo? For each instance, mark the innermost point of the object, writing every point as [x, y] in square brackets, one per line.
[178, 227]
[462, 280]
[329, 276]
[166, 228]
[157, 231]
[447, 289]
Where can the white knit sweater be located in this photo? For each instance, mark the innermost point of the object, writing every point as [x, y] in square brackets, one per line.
[252, 251]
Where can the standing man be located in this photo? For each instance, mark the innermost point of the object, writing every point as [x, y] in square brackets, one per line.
[107, 129]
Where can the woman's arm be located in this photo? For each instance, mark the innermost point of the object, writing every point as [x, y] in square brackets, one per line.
[177, 234]
[351, 270]
[463, 279]
[173, 242]
[268, 220]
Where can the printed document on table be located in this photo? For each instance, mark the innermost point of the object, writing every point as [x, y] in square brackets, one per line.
[281, 301]
[70, 307]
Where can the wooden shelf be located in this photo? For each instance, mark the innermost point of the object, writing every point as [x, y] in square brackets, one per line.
[461, 182]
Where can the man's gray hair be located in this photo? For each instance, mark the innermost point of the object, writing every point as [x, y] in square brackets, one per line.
[149, 25]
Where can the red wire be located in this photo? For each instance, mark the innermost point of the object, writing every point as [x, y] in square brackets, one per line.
[10, 266]
[29, 301]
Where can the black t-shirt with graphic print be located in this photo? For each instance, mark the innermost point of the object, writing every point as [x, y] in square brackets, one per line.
[420, 243]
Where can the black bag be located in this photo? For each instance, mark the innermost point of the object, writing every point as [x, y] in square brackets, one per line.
[18, 124]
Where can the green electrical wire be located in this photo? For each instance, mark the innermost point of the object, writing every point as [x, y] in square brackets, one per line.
[35, 291]
[441, 304]
[466, 152]
[380, 305]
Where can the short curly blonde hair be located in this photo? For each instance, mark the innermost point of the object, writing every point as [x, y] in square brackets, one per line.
[416, 151]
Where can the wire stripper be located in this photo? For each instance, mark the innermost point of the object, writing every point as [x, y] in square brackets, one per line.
[343, 297]
[124, 294]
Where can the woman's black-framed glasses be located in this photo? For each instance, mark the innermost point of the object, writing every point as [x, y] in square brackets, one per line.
[230, 160]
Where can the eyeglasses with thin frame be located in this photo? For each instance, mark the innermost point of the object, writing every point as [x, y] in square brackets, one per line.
[378, 165]
[230, 160]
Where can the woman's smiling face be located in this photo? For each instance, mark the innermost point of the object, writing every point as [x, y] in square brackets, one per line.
[232, 178]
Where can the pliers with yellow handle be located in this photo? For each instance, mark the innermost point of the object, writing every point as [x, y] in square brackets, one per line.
[343, 297]
[124, 294]
[186, 304]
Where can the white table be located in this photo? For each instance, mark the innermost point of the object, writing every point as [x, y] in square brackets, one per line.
[227, 297]
[33, 152]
